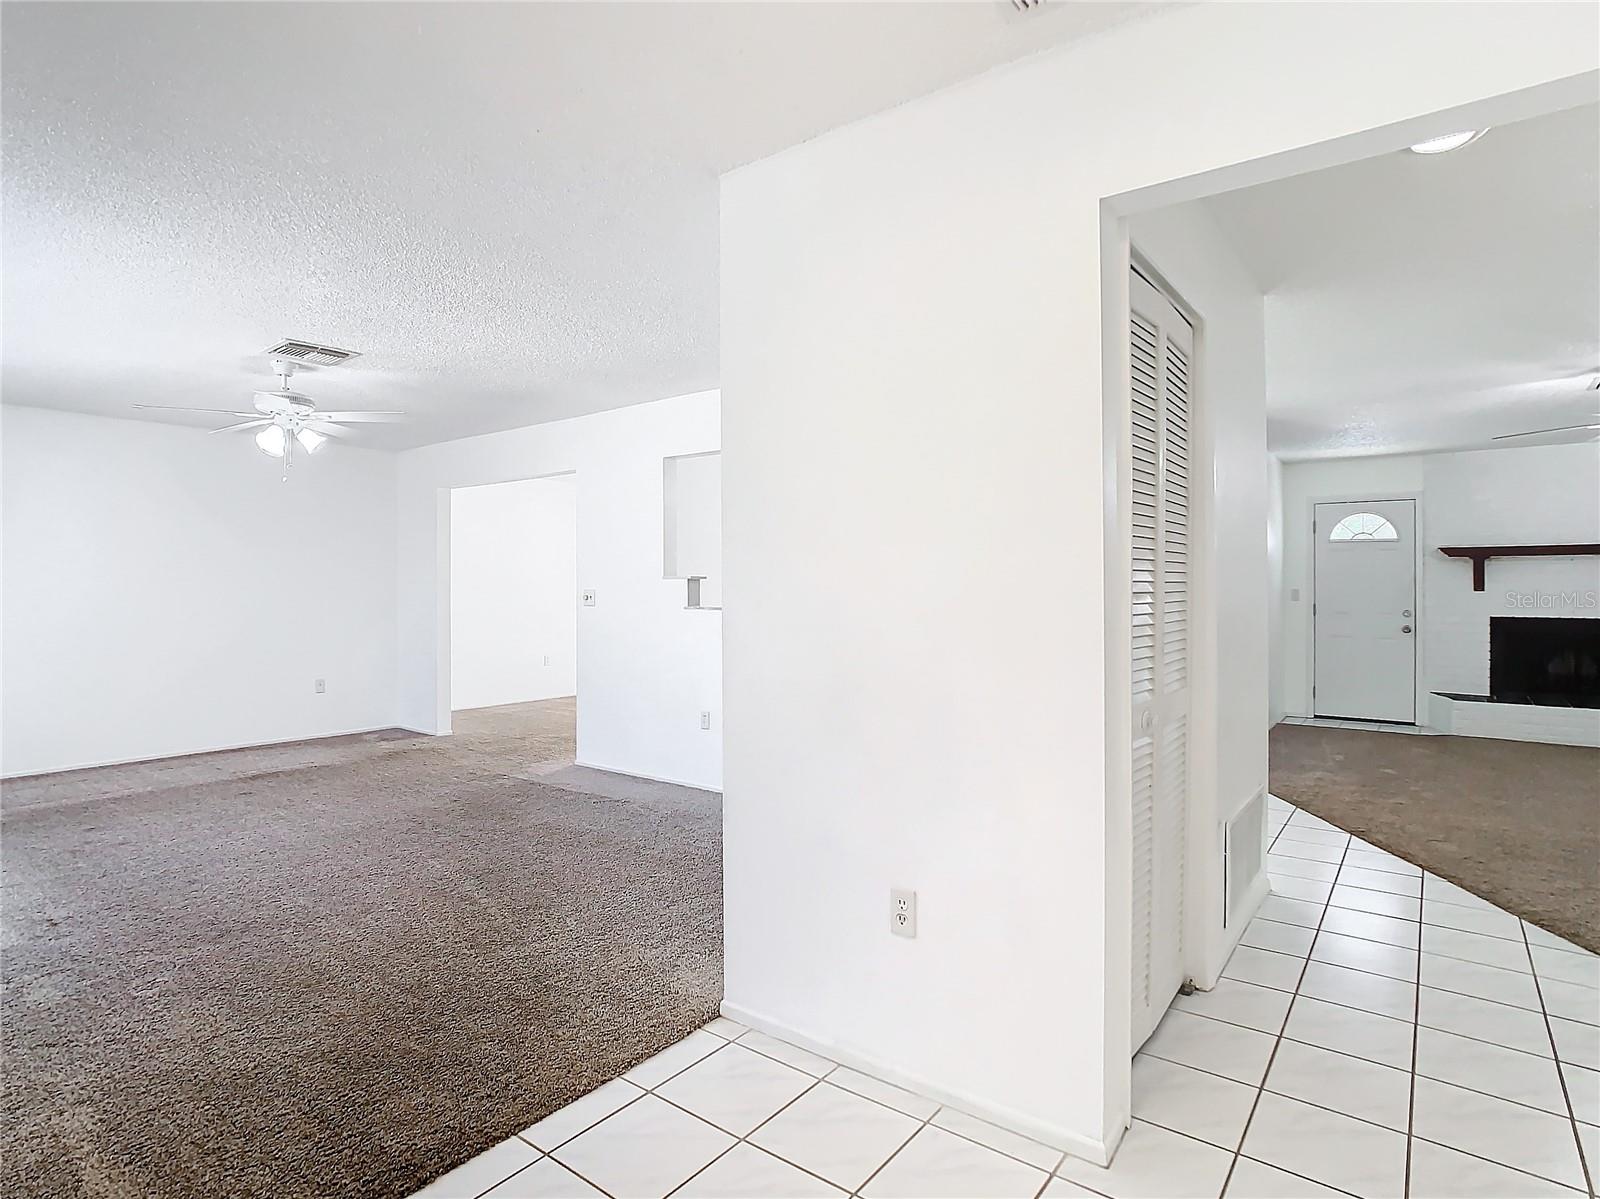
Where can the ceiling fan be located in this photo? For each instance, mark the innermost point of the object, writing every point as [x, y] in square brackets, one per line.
[284, 419]
[1592, 424]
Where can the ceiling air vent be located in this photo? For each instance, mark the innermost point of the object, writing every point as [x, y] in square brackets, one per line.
[310, 354]
[1025, 5]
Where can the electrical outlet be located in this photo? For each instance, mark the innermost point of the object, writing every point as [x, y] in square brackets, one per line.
[547, 659]
[902, 912]
[322, 686]
[705, 720]
[588, 599]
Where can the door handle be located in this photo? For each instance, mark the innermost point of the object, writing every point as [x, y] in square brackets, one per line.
[1405, 628]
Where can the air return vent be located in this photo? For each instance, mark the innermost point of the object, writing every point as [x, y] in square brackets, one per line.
[1243, 855]
[310, 354]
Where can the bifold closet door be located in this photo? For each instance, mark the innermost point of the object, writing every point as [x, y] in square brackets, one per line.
[1162, 345]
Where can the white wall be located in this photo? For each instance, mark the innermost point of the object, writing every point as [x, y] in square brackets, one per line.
[914, 528]
[165, 593]
[1276, 704]
[647, 668]
[1542, 494]
[513, 592]
[1229, 709]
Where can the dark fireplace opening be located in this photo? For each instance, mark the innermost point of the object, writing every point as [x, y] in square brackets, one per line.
[1550, 660]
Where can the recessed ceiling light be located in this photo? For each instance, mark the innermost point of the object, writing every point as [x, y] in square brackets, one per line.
[1448, 142]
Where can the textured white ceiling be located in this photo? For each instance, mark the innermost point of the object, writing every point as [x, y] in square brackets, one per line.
[509, 209]
[1430, 302]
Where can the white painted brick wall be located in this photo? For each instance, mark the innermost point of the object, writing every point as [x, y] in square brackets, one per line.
[1518, 722]
[1549, 494]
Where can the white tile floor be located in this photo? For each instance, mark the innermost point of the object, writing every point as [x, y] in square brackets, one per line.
[1379, 1032]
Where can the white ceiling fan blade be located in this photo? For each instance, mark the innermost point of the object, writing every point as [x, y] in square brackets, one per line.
[359, 418]
[328, 427]
[212, 411]
[1557, 429]
[244, 424]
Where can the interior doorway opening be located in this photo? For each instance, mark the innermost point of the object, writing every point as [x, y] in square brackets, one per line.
[513, 592]
[1359, 477]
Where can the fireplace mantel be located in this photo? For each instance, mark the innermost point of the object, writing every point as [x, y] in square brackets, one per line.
[1479, 554]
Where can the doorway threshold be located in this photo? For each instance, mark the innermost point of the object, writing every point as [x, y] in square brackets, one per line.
[1371, 726]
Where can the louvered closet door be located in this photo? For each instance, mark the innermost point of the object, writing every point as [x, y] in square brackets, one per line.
[1162, 344]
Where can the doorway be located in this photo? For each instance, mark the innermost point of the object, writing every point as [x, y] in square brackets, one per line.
[513, 592]
[1364, 612]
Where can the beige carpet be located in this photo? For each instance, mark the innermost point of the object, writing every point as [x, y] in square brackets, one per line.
[1514, 822]
[342, 967]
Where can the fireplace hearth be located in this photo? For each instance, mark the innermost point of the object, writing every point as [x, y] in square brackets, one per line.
[1552, 661]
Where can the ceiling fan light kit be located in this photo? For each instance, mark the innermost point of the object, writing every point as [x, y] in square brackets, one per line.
[284, 420]
[271, 441]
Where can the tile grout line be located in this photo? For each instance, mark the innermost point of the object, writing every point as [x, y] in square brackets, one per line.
[1393, 978]
[1288, 1012]
[744, 1140]
[816, 1080]
[1561, 1075]
[1189, 1136]
[1416, 1036]
[884, 1165]
[643, 1091]
[651, 1091]
[1422, 920]
[1357, 1119]
[547, 1157]
[1479, 904]
[939, 1108]
[1358, 1058]
[1533, 973]
[1419, 950]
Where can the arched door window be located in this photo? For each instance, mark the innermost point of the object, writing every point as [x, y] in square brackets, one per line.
[1363, 526]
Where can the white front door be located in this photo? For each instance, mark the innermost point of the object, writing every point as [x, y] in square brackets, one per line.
[1161, 345]
[1365, 610]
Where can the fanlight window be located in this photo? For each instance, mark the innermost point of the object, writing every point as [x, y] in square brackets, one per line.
[1363, 526]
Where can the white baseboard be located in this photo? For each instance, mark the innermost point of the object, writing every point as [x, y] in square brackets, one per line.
[649, 778]
[1087, 1148]
[210, 749]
